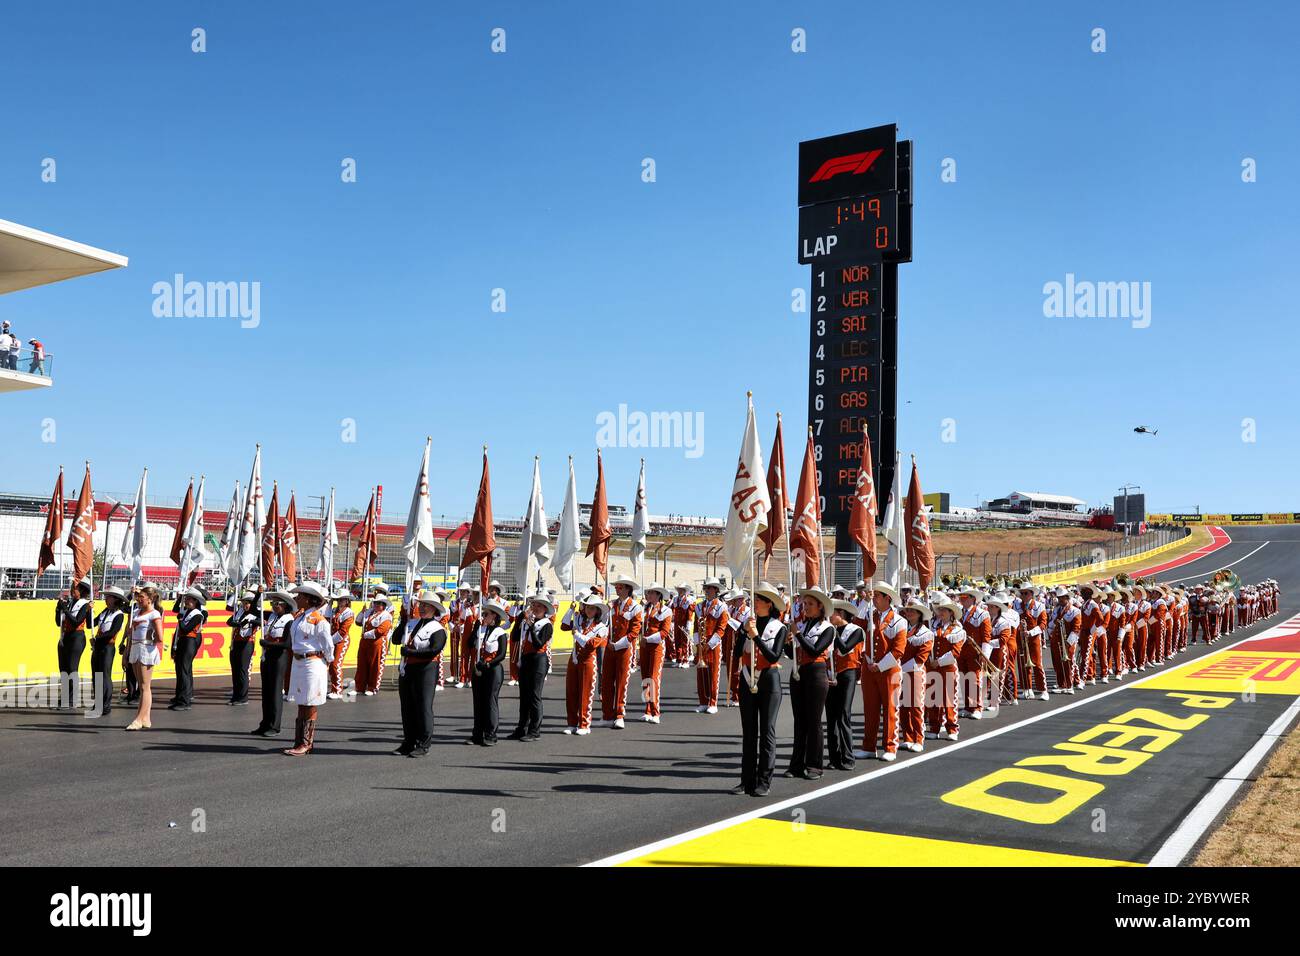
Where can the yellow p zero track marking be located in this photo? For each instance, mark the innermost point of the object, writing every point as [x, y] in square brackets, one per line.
[766, 842]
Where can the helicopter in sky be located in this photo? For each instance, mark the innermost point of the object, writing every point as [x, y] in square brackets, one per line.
[1144, 430]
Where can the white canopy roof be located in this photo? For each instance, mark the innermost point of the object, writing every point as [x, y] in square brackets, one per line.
[29, 257]
[1052, 499]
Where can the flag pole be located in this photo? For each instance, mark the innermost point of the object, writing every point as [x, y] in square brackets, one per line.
[785, 520]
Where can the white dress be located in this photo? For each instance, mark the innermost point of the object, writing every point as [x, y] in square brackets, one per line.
[309, 679]
[143, 651]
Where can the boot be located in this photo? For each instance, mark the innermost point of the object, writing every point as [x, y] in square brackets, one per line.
[300, 746]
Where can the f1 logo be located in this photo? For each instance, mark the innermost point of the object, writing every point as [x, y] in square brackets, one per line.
[855, 163]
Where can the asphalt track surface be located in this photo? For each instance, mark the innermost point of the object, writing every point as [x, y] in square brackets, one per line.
[82, 792]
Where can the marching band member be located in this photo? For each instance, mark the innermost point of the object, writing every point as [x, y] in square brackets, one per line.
[710, 625]
[589, 633]
[146, 650]
[72, 612]
[1033, 624]
[759, 660]
[1092, 630]
[1200, 619]
[916, 654]
[469, 624]
[533, 630]
[245, 626]
[626, 621]
[738, 612]
[1063, 626]
[276, 651]
[454, 639]
[679, 648]
[658, 635]
[191, 615]
[977, 624]
[1004, 623]
[942, 670]
[1158, 632]
[490, 647]
[1142, 624]
[312, 646]
[882, 677]
[846, 663]
[1115, 632]
[109, 623]
[422, 641]
[341, 631]
[1130, 626]
[376, 623]
[809, 683]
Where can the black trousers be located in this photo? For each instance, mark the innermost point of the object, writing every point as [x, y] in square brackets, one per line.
[533, 669]
[487, 708]
[274, 666]
[102, 653]
[415, 691]
[758, 712]
[241, 655]
[839, 719]
[808, 698]
[71, 647]
[183, 651]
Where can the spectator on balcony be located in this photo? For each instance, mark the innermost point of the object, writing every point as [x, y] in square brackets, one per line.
[38, 357]
[7, 341]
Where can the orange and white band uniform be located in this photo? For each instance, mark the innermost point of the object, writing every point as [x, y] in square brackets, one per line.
[654, 644]
[916, 654]
[941, 677]
[626, 621]
[341, 629]
[375, 625]
[580, 676]
[882, 679]
[978, 626]
[710, 627]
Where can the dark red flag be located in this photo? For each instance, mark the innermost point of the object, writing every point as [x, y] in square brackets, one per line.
[601, 532]
[806, 532]
[53, 528]
[862, 513]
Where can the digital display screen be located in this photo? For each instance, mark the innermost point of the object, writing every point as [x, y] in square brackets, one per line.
[865, 227]
[848, 164]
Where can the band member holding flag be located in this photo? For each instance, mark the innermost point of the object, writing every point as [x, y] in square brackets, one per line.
[489, 655]
[758, 659]
[275, 660]
[110, 624]
[422, 642]
[589, 633]
[809, 683]
[534, 628]
[846, 662]
[882, 674]
[245, 627]
[72, 612]
[191, 615]
[654, 641]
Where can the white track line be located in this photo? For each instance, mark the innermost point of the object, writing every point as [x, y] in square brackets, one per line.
[1192, 556]
[1204, 814]
[771, 808]
[1221, 567]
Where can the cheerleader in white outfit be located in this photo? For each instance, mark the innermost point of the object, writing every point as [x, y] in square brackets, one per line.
[312, 644]
[146, 650]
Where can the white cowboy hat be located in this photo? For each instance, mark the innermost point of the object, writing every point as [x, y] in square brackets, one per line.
[975, 593]
[918, 607]
[496, 606]
[999, 602]
[284, 597]
[433, 600]
[1061, 592]
[769, 593]
[311, 589]
[625, 580]
[114, 591]
[712, 583]
[543, 599]
[195, 593]
[845, 607]
[886, 589]
[657, 588]
[821, 597]
[948, 605]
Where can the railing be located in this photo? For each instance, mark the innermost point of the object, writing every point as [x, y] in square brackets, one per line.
[27, 360]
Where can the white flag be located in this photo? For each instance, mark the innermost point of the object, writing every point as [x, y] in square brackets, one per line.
[750, 503]
[569, 541]
[418, 540]
[895, 533]
[640, 524]
[192, 550]
[329, 538]
[229, 544]
[252, 522]
[133, 542]
[534, 543]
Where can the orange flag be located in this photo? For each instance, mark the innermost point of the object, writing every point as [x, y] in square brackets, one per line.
[289, 541]
[776, 485]
[81, 539]
[481, 540]
[601, 532]
[53, 528]
[806, 532]
[178, 539]
[862, 513]
[367, 552]
[920, 549]
[272, 548]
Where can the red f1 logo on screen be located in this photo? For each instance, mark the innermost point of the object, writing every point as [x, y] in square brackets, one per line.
[855, 163]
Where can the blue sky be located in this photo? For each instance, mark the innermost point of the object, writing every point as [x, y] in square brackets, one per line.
[522, 171]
